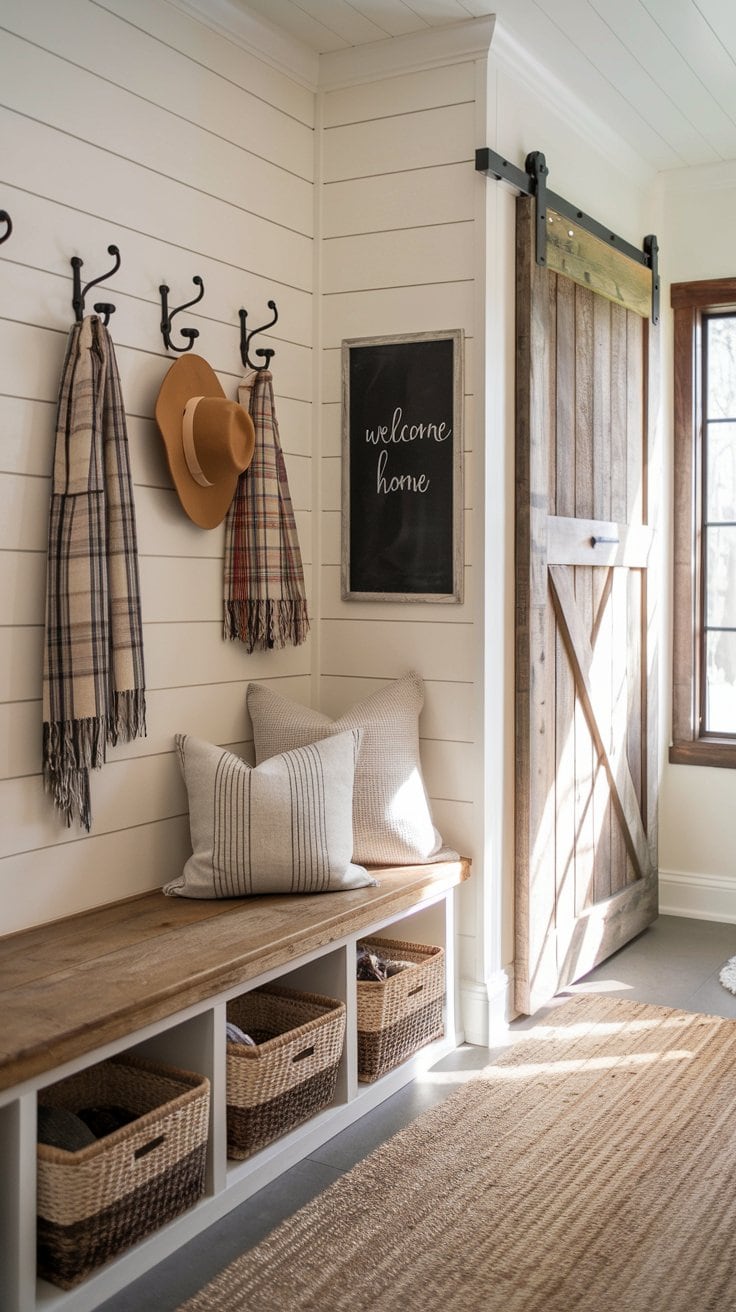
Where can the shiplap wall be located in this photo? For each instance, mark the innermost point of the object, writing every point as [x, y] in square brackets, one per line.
[127, 122]
[399, 251]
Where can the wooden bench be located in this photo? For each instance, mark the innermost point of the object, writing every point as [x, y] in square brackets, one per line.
[152, 975]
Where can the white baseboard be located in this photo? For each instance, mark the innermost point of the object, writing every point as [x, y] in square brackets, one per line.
[701, 897]
[486, 1009]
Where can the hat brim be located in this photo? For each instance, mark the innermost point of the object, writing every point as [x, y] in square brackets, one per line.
[190, 376]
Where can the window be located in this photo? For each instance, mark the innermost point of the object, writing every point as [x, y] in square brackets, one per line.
[704, 638]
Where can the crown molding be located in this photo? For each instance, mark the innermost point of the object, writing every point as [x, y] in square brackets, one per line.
[255, 35]
[539, 79]
[393, 56]
[698, 177]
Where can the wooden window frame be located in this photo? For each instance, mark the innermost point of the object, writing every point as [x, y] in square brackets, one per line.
[691, 301]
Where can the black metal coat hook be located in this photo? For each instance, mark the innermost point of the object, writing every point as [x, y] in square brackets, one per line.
[102, 307]
[245, 339]
[167, 315]
[5, 218]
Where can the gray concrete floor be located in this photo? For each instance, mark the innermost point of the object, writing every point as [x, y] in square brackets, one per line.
[674, 963]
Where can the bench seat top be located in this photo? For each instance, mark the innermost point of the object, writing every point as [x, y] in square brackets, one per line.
[68, 987]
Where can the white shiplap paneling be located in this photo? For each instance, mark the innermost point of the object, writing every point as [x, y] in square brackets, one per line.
[41, 158]
[48, 883]
[211, 103]
[49, 230]
[203, 45]
[428, 138]
[124, 126]
[443, 194]
[213, 711]
[400, 254]
[436, 253]
[451, 84]
[194, 157]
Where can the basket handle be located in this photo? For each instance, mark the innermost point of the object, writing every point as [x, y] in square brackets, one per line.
[418, 989]
[306, 1052]
[147, 1148]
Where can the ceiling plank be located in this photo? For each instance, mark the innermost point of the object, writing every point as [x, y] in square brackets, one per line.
[479, 8]
[705, 52]
[438, 12]
[344, 20]
[393, 16]
[602, 47]
[656, 47]
[292, 19]
[661, 74]
[721, 16]
[544, 41]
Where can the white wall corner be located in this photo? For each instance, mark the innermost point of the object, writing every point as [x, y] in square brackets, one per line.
[316, 516]
[486, 1009]
[393, 56]
[700, 897]
[255, 35]
[539, 79]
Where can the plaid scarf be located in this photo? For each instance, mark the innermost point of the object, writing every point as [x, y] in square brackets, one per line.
[265, 604]
[93, 684]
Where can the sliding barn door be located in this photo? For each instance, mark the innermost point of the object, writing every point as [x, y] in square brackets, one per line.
[586, 782]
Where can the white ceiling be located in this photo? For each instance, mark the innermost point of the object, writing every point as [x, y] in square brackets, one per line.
[662, 72]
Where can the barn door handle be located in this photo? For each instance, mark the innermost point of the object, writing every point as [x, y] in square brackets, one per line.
[595, 540]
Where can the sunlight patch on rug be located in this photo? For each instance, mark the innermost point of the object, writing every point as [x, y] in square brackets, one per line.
[590, 1168]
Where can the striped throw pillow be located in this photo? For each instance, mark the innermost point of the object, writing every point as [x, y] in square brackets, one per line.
[281, 827]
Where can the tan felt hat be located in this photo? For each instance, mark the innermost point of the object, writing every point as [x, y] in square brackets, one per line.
[209, 440]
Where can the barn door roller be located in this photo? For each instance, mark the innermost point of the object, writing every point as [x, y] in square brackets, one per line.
[532, 181]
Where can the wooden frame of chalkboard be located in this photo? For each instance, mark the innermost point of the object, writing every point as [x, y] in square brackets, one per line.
[402, 467]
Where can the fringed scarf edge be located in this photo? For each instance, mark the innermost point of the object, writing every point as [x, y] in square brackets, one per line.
[71, 748]
[265, 624]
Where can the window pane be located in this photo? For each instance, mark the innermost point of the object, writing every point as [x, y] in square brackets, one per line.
[720, 578]
[721, 471]
[720, 685]
[721, 381]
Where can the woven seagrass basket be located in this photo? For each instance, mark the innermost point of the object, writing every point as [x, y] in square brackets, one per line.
[403, 1013]
[290, 1074]
[95, 1203]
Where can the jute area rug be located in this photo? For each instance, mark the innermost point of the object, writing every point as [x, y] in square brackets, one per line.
[592, 1167]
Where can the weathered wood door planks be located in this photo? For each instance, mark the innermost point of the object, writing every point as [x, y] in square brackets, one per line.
[586, 877]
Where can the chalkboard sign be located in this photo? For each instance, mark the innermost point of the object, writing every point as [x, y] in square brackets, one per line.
[402, 468]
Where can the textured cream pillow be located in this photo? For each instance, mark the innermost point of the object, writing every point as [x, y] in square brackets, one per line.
[392, 821]
[282, 827]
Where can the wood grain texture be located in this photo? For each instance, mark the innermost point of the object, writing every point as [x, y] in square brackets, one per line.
[601, 578]
[570, 542]
[718, 752]
[708, 293]
[620, 860]
[564, 506]
[71, 986]
[535, 751]
[612, 758]
[587, 260]
[636, 444]
[584, 843]
[585, 755]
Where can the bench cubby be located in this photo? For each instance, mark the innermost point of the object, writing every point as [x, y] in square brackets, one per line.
[152, 976]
